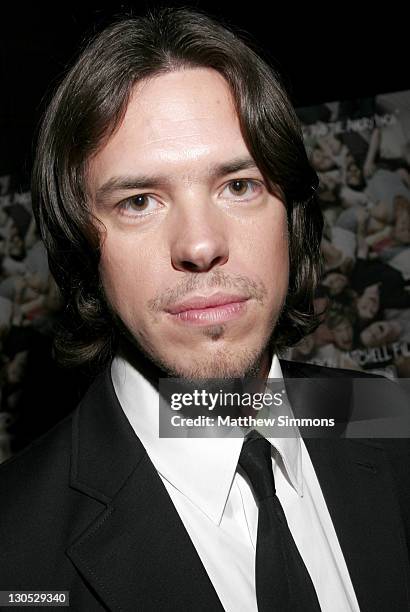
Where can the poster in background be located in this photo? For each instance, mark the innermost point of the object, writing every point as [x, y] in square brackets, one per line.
[361, 152]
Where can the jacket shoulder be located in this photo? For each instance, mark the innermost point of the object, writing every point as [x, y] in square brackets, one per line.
[46, 455]
[303, 369]
[40, 513]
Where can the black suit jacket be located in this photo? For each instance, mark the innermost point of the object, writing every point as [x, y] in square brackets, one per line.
[83, 509]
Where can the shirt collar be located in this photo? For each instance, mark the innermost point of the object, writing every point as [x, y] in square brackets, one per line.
[202, 469]
[289, 448]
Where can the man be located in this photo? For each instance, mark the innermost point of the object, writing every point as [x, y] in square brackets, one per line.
[175, 199]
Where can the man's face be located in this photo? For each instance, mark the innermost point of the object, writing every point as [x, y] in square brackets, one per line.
[195, 255]
[343, 335]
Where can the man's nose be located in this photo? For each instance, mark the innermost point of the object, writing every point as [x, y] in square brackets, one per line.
[199, 240]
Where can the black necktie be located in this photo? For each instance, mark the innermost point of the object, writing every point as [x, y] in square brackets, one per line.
[283, 583]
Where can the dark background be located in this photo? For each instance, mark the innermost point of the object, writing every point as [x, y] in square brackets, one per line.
[326, 53]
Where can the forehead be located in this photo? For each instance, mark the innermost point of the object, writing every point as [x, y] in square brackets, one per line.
[180, 121]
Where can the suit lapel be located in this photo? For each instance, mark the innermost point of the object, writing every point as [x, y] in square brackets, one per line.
[137, 555]
[358, 488]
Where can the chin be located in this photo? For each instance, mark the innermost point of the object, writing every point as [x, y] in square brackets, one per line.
[223, 364]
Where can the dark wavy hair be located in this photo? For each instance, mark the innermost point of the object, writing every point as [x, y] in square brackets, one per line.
[88, 107]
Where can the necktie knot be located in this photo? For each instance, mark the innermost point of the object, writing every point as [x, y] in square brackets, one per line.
[255, 459]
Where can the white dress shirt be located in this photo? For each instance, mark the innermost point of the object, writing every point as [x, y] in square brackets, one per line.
[217, 506]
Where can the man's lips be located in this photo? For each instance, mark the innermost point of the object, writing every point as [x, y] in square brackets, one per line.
[205, 310]
[202, 302]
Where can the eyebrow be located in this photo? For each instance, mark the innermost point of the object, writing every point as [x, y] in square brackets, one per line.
[145, 181]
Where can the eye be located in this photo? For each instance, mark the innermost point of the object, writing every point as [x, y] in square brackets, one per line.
[242, 189]
[138, 205]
